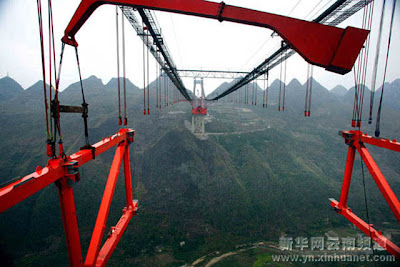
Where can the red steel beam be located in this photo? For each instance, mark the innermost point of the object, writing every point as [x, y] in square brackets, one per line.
[355, 140]
[367, 229]
[330, 47]
[128, 178]
[115, 236]
[19, 190]
[347, 177]
[367, 139]
[380, 180]
[101, 221]
[131, 207]
[70, 223]
[64, 171]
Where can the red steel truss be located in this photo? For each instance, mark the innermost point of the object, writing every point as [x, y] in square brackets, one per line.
[64, 171]
[330, 47]
[199, 111]
[356, 141]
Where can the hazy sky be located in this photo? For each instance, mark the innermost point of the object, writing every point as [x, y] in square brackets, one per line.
[195, 43]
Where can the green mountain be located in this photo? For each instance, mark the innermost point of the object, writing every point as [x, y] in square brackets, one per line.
[391, 94]
[339, 90]
[261, 174]
[9, 88]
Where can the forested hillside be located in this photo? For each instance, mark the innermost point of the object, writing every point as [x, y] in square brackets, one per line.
[261, 173]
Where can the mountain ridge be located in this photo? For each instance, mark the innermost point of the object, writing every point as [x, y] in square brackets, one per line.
[9, 88]
[260, 175]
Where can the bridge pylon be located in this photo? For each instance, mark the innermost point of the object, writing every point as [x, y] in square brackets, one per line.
[199, 108]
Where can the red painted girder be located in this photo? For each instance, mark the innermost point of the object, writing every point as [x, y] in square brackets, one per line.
[128, 178]
[84, 156]
[344, 194]
[380, 180]
[330, 47]
[101, 221]
[131, 207]
[355, 135]
[70, 223]
[115, 235]
[19, 190]
[363, 226]
[355, 140]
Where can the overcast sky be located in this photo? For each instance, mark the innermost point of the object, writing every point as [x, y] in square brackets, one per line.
[194, 43]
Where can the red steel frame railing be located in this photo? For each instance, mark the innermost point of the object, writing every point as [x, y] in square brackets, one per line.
[64, 171]
[356, 141]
